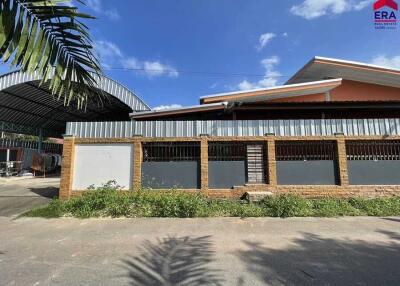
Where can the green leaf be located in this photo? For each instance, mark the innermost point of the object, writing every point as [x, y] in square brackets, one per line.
[30, 47]
[8, 16]
[48, 37]
[15, 40]
[22, 43]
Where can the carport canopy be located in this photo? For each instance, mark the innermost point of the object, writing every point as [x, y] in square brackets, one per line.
[27, 107]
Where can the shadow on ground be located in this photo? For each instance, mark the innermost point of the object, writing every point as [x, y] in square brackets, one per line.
[314, 260]
[391, 219]
[174, 261]
[47, 192]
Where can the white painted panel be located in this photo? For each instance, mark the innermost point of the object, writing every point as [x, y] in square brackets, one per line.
[96, 164]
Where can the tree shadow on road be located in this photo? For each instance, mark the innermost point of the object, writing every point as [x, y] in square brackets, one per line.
[392, 219]
[174, 261]
[314, 260]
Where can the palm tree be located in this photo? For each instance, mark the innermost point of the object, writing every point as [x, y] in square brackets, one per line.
[49, 37]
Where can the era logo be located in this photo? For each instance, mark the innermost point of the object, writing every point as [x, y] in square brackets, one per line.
[384, 15]
[385, 11]
[385, 3]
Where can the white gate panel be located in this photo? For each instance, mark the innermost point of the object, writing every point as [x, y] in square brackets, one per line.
[96, 164]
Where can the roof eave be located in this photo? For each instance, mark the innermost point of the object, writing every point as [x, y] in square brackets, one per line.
[177, 111]
[357, 66]
[271, 93]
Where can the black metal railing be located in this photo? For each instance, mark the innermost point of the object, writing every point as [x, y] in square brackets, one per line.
[373, 150]
[305, 150]
[227, 151]
[171, 151]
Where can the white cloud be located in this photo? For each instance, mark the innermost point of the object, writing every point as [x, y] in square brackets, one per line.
[164, 107]
[311, 9]
[285, 35]
[131, 63]
[97, 7]
[362, 4]
[270, 79]
[112, 14]
[264, 40]
[111, 55]
[214, 85]
[107, 49]
[382, 60]
[157, 69]
[107, 52]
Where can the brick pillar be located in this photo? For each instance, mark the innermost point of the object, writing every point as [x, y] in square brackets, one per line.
[271, 161]
[342, 160]
[204, 163]
[67, 168]
[137, 164]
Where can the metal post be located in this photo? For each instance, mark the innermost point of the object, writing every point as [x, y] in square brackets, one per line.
[8, 162]
[40, 140]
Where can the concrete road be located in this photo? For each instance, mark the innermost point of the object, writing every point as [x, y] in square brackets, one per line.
[223, 251]
[19, 194]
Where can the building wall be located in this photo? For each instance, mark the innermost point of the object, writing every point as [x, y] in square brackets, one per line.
[359, 91]
[342, 189]
[350, 91]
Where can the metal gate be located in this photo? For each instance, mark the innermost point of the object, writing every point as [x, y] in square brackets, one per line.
[255, 164]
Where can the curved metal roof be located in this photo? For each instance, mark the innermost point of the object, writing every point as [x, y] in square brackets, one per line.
[23, 101]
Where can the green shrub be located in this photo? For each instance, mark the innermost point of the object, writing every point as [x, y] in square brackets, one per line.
[377, 206]
[108, 200]
[175, 203]
[334, 208]
[249, 210]
[287, 206]
[231, 208]
[53, 210]
[95, 202]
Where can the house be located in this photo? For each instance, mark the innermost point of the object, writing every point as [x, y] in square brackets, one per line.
[333, 129]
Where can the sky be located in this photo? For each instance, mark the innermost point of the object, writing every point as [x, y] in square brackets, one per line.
[171, 52]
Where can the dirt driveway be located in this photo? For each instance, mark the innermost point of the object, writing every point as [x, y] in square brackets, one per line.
[18, 194]
[217, 251]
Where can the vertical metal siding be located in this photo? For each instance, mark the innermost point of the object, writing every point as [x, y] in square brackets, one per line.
[312, 127]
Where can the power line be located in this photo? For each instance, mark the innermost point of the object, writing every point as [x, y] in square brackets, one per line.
[223, 74]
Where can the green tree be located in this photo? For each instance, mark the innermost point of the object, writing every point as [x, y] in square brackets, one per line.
[49, 37]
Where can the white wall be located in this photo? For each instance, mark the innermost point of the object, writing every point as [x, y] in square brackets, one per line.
[96, 164]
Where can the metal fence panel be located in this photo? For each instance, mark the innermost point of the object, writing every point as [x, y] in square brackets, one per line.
[298, 127]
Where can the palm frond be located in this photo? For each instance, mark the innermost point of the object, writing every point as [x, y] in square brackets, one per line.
[49, 37]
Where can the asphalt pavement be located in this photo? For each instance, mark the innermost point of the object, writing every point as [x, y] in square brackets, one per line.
[20, 194]
[212, 251]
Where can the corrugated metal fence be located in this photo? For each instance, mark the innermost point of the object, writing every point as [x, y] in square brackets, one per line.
[311, 127]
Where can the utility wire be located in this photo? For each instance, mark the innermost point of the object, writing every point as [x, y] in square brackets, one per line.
[223, 74]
